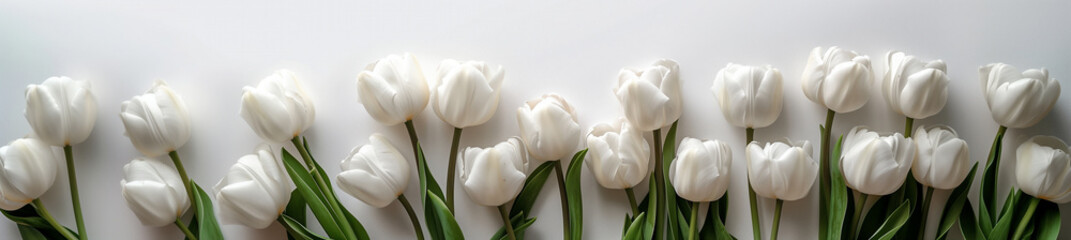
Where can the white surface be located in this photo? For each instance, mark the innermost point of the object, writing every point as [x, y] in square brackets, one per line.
[208, 50]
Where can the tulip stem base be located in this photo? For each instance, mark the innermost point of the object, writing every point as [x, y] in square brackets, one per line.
[925, 213]
[776, 219]
[452, 169]
[561, 192]
[412, 216]
[40, 207]
[756, 227]
[1030, 209]
[908, 124]
[632, 201]
[185, 230]
[860, 202]
[72, 178]
[502, 211]
[329, 193]
[185, 178]
[692, 232]
[660, 186]
[824, 183]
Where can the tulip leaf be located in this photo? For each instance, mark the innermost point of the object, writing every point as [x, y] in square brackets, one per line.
[519, 225]
[1047, 219]
[954, 206]
[428, 185]
[652, 209]
[295, 210]
[448, 225]
[1002, 227]
[714, 227]
[838, 199]
[635, 228]
[347, 220]
[895, 221]
[31, 233]
[296, 229]
[668, 154]
[987, 212]
[307, 187]
[358, 229]
[572, 193]
[967, 224]
[208, 227]
[876, 216]
[27, 216]
[532, 186]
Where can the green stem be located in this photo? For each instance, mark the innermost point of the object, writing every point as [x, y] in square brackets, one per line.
[72, 178]
[185, 230]
[693, 233]
[329, 193]
[756, 227]
[412, 216]
[505, 222]
[824, 185]
[451, 169]
[925, 213]
[51, 221]
[776, 219]
[413, 140]
[185, 178]
[561, 192]
[907, 126]
[632, 201]
[660, 186]
[860, 202]
[1026, 217]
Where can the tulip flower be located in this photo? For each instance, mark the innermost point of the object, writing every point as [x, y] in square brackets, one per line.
[1018, 100]
[278, 109]
[914, 88]
[549, 127]
[1043, 169]
[701, 171]
[493, 176]
[375, 173]
[154, 192]
[749, 96]
[393, 89]
[466, 93]
[618, 157]
[156, 122]
[943, 161]
[874, 164]
[781, 171]
[27, 170]
[838, 80]
[255, 190]
[62, 111]
[650, 96]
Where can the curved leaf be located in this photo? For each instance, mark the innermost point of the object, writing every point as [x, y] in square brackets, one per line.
[532, 186]
[208, 228]
[572, 194]
[297, 230]
[313, 197]
[1047, 220]
[895, 221]
[838, 193]
[449, 226]
[635, 229]
[954, 206]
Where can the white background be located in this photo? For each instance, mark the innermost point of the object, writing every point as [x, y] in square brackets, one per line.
[208, 50]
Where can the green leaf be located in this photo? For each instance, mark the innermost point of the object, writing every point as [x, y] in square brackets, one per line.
[895, 221]
[428, 185]
[30, 233]
[358, 229]
[206, 217]
[1047, 218]
[572, 194]
[652, 209]
[312, 195]
[669, 152]
[28, 216]
[876, 216]
[987, 211]
[955, 203]
[838, 198]
[532, 186]
[295, 210]
[343, 221]
[967, 224]
[448, 225]
[714, 227]
[297, 230]
[635, 229]
[1003, 226]
[517, 222]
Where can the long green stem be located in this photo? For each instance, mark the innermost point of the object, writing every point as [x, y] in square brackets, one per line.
[561, 192]
[451, 169]
[412, 216]
[824, 186]
[756, 227]
[925, 213]
[776, 219]
[692, 232]
[908, 124]
[660, 186]
[37, 204]
[413, 141]
[860, 202]
[1026, 218]
[632, 201]
[72, 178]
[329, 193]
[505, 222]
[185, 178]
[185, 230]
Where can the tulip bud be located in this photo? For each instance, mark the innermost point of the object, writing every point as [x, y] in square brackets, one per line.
[1018, 100]
[651, 96]
[873, 164]
[493, 176]
[838, 80]
[749, 97]
[156, 122]
[27, 170]
[549, 127]
[1043, 169]
[943, 161]
[781, 171]
[375, 173]
[618, 155]
[914, 88]
[255, 190]
[466, 93]
[393, 89]
[278, 109]
[61, 111]
[154, 192]
[701, 171]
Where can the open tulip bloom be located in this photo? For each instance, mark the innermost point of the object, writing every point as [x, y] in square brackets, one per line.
[377, 174]
[782, 172]
[619, 157]
[155, 193]
[493, 176]
[1042, 172]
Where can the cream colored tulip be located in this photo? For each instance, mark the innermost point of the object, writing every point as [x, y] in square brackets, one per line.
[393, 89]
[875, 164]
[943, 160]
[376, 173]
[278, 109]
[1018, 100]
[466, 93]
[781, 171]
[1043, 169]
[255, 190]
[156, 122]
[838, 80]
[914, 88]
[749, 96]
[618, 154]
[549, 127]
[154, 192]
[701, 171]
[27, 170]
[61, 111]
[495, 175]
[650, 96]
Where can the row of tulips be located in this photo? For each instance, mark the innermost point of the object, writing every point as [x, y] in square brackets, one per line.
[897, 172]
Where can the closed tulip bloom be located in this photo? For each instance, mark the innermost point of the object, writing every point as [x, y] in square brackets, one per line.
[278, 109]
[701, 171]
[466, 93]
[781, 171]
[914, 88]
[838, 80]
[375, 173]
[749, 96]
[650, 96]
[873, 164]
[618, 154]
[943, 161]
[61, 111]
[495, 175]
[549, 127]
[154, 192]
[255, 190]
[156, 122]
[1043, 169]
[1018, 100]
[393, 89]
[27, 170]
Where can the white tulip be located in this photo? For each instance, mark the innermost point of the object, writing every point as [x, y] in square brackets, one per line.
[943, 161]
[701, 171]
[1043, 169]
[61, 111]
[255, 190]
[393, 89]
[278, 109]
[873, 164]
[651, 96]
[838, 80]
[154, 192]
[749, 96]
[1018, 100]
[780, 170]
[549, 127]
[466, 93]
[914, 88]
[495, 175]
[375, 173]
[618, 155]
[27, 170]
[156, 122]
